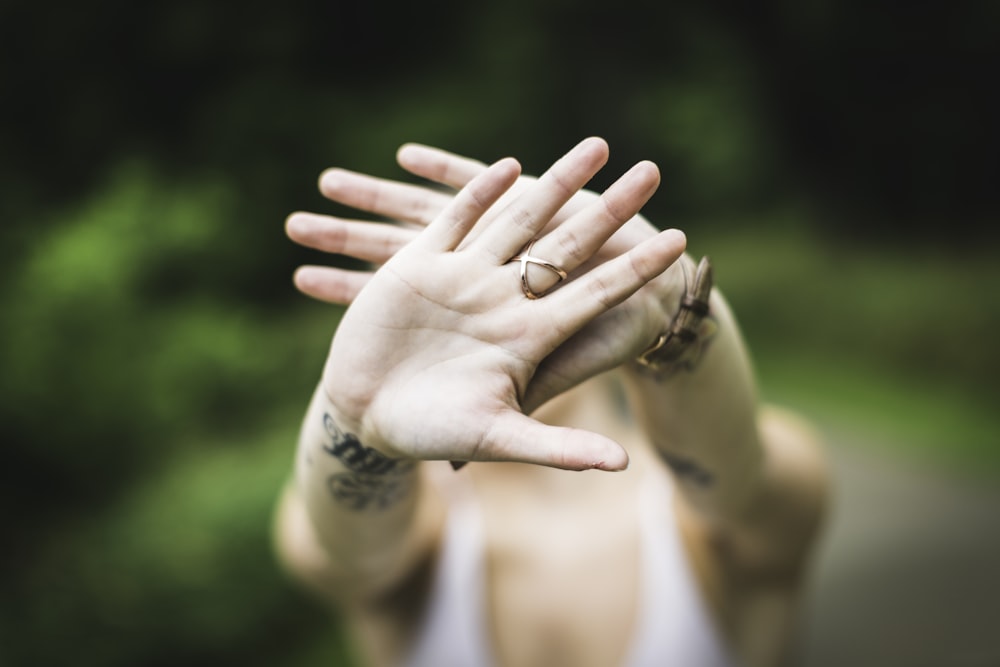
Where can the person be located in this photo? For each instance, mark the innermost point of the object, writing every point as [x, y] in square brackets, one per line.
[530, 327]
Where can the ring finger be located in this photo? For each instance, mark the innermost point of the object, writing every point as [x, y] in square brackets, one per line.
[576, 240]
[525, 216]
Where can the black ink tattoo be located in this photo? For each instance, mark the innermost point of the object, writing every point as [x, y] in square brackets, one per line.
[363, 492]
[688, 470]
[375, 481]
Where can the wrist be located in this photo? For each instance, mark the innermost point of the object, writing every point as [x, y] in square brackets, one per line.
[337, 405]
[666, 297]
[336, 463]
[679, 341]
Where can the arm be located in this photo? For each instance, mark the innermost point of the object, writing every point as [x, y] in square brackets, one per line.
[433, 358]
[752, 480]
[353, 522]
[753, 477]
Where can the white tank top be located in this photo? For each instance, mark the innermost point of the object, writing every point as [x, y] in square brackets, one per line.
[673, 626]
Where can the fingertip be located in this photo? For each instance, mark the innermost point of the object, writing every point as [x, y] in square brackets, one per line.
[597, 143]
[507, 165]
[651, 168]
[329, 181]
[295, 225]
[406, 153]
[309, 280]
[675, 238]
[497, 177]
[303, 277]
[617, 462]
[596, 147]
[592, 451]
[312, 281]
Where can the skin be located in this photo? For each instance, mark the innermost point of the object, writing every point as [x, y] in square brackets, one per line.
[440, 357]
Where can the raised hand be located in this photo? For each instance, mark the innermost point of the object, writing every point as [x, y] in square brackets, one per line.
[435, 354]
[613, 338]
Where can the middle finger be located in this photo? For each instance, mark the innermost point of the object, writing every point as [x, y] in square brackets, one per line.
[576, 240]
[524, 217]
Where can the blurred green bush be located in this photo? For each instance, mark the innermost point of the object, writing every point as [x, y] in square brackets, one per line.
[149, 424]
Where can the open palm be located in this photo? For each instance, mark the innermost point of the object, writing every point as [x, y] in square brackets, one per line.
[438, 354]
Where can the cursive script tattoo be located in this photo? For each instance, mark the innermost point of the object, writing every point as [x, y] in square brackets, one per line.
[373, 481]
[367, 492]
[687, 470]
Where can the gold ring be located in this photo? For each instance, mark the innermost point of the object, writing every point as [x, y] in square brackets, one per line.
[526, 258]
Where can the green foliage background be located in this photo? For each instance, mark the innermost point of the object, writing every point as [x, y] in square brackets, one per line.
[836, 160]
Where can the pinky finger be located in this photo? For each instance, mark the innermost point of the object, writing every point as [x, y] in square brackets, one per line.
[338, 286]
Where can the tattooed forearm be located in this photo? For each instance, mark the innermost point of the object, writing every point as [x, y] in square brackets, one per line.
[688, 470]
[373, 480]
[367, 492]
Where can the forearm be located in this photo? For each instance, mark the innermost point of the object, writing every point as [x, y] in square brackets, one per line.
[368, 513]
[701, 415]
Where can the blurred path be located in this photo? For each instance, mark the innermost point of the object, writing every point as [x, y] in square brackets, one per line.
[909, 571]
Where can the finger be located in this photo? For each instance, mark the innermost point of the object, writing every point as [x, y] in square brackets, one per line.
[578, 238]
[400, 201]
[516, 437]
[439, 166]
[524, 218]
[462, 213]
[338, 286]
[607, 285]
[368, 241]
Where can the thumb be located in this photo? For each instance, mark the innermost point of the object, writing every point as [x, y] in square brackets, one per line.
[514, 436]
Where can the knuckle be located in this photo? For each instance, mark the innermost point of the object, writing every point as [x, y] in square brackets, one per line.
[600, 289]
[571, 246]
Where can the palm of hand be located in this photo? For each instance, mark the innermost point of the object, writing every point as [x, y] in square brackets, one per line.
[453, 345]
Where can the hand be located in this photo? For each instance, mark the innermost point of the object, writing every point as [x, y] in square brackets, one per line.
[436, 351]
[615, 337]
